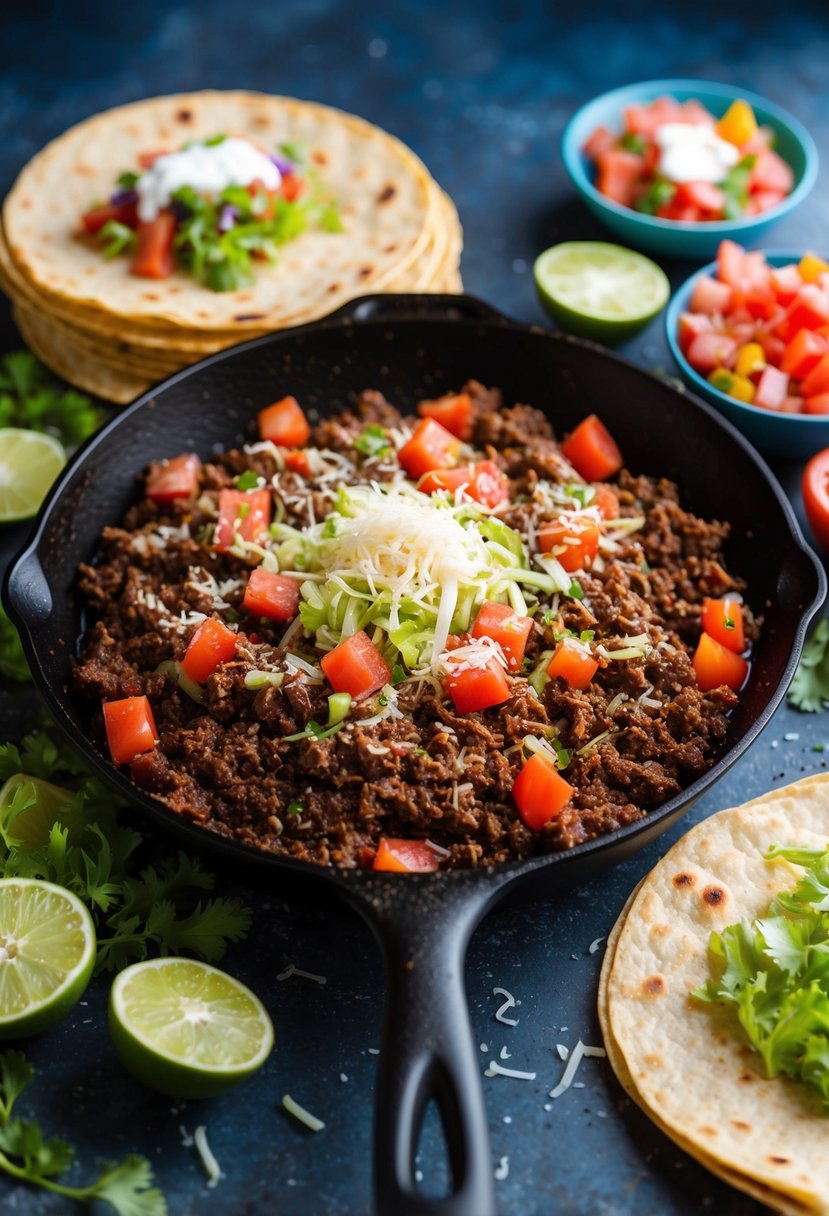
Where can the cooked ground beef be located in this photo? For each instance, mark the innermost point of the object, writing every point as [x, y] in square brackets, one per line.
[637, 735]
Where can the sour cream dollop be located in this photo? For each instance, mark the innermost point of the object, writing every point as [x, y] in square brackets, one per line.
[208, 168]
[693, 153]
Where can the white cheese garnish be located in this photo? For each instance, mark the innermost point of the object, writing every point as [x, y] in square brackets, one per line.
[594, 945]
[300, 1113]
[693, 153]
[502, 1170]
[576, 1056]
[211, 1165]
[208, 169]
[495, 1070]
[509, 1003]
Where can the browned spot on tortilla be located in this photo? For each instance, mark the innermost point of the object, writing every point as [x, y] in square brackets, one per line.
[84, 170]
[132, 128]
[150, 295]
[185, 116]
[319, 157]
[90, 270]
[174, 290]
[334, 287]
[779, 1160]
[260, 120]
[684, 879]
[746, 1077]
[661, 931]
[26, 204]
[365, 271]
[249, 316]
[744, 1127]
[708, 1131]
[714, 896]
[390, 249]
[203, 313]
[388, 192]
[654, 986]
[360, 172]
[653, 1061]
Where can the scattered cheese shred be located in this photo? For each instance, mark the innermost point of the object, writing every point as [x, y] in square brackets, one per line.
[576, 1056]
[509, 1003]
[594, 945]
[211, 1165]
[495, 1070]
[502, 1169]
[563, 1052]
[303, 975]
[303, 1115]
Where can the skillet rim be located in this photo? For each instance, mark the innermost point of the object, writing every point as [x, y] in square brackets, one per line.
[384, 309]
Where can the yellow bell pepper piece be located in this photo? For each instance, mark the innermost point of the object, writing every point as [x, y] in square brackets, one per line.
[751, 358]
[738, 123]
[738, 387]
[812, 267]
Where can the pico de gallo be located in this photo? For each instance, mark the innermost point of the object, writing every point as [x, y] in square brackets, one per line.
[760, 333]
[676, 161]
[412, 642]
[212, 208]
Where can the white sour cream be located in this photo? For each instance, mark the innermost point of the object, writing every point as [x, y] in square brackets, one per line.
[693, 153]
[208, 169]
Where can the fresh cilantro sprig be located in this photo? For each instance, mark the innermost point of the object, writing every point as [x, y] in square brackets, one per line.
[809, 689]
[373, 442]
[13, 664]
[140, 906]
[27, 1155]
[775, 973]
[658, 194]
[735, 187]
[30, 396]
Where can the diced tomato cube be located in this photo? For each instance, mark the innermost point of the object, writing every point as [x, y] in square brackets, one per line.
[792, 405]
[619, 174]
[123, 213]
[540, 792]
[573, 662]
[711, 296]
[762, 201]
[808, 310]
[817, 381]
[153, 256]
[483, 482]
[130, 728]
[476, 688]
[274, 596]
[506, 627]
[772, 345]
[818, 404]
[430, 447]
[786, 282]
[695, 114]
[284, 423]
[761, 303]
[691, 324]
[771, 172]
[708, 351]
[607, 502]
[291, 186]
[454, 411]
[803, 353]
[405, 856]
[298, 461]
[772, 388]
[176, 478]
[716, 666]
[730, 259]
[573, 540]
[212, 643]
[356, 666]
[706, 196]
[723, 621]
[599, 141]
[592, 450]
[247, 513]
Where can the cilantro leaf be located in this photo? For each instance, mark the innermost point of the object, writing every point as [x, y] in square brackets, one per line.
[117, 238]
[633, 143]
[809, 689]
[373, 441]
[248, 480]
[656, 196]
[30, 396]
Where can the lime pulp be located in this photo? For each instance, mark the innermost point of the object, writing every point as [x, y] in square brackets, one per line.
[29, 463]
[599, 290]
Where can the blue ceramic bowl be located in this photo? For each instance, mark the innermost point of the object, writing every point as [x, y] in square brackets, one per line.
[672, 237]
[796, 435]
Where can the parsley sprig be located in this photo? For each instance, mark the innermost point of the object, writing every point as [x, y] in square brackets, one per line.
[775, 973]
[30, 396]
[809, 689]
[26, 1154]
[140, 906]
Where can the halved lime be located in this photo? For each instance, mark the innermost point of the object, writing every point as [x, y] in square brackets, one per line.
[29, 463]
[599, 290]
[47, 952]
[187, 1029]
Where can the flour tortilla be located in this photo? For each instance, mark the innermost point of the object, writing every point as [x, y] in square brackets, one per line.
[684, 1063]
[387, 201]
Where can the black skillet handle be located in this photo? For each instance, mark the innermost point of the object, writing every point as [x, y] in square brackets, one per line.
[27, 594]
[428, 1052]
[415, 306]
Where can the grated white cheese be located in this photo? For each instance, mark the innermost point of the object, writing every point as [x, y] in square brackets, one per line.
[509, 1003]
[594, 945]
[502, 1169]
[575, 1058]
[300, 1113]
[495, 1070]
[211, 1165]
[505, 1055]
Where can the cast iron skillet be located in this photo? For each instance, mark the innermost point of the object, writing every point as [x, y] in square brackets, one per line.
[411, 347]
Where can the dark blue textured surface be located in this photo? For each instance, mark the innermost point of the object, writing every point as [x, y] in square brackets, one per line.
[482, 92]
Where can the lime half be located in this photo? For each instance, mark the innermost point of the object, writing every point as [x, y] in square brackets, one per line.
[599, 290]
[187, 1029]
[29, 463]
[47, 952]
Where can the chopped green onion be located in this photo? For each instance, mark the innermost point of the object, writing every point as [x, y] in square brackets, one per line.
[173, 672]
[294, 808]
[374, 441]
[339, 706]
[261, 679]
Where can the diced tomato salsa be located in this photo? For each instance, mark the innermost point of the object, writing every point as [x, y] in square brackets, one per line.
[760, 333]
[634, 169]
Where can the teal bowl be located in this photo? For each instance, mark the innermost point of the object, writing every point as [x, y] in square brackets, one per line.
[675, 238]
[793, 435]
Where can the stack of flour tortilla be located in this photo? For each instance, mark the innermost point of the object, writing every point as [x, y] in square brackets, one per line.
[114, 334]
[686, 1063]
